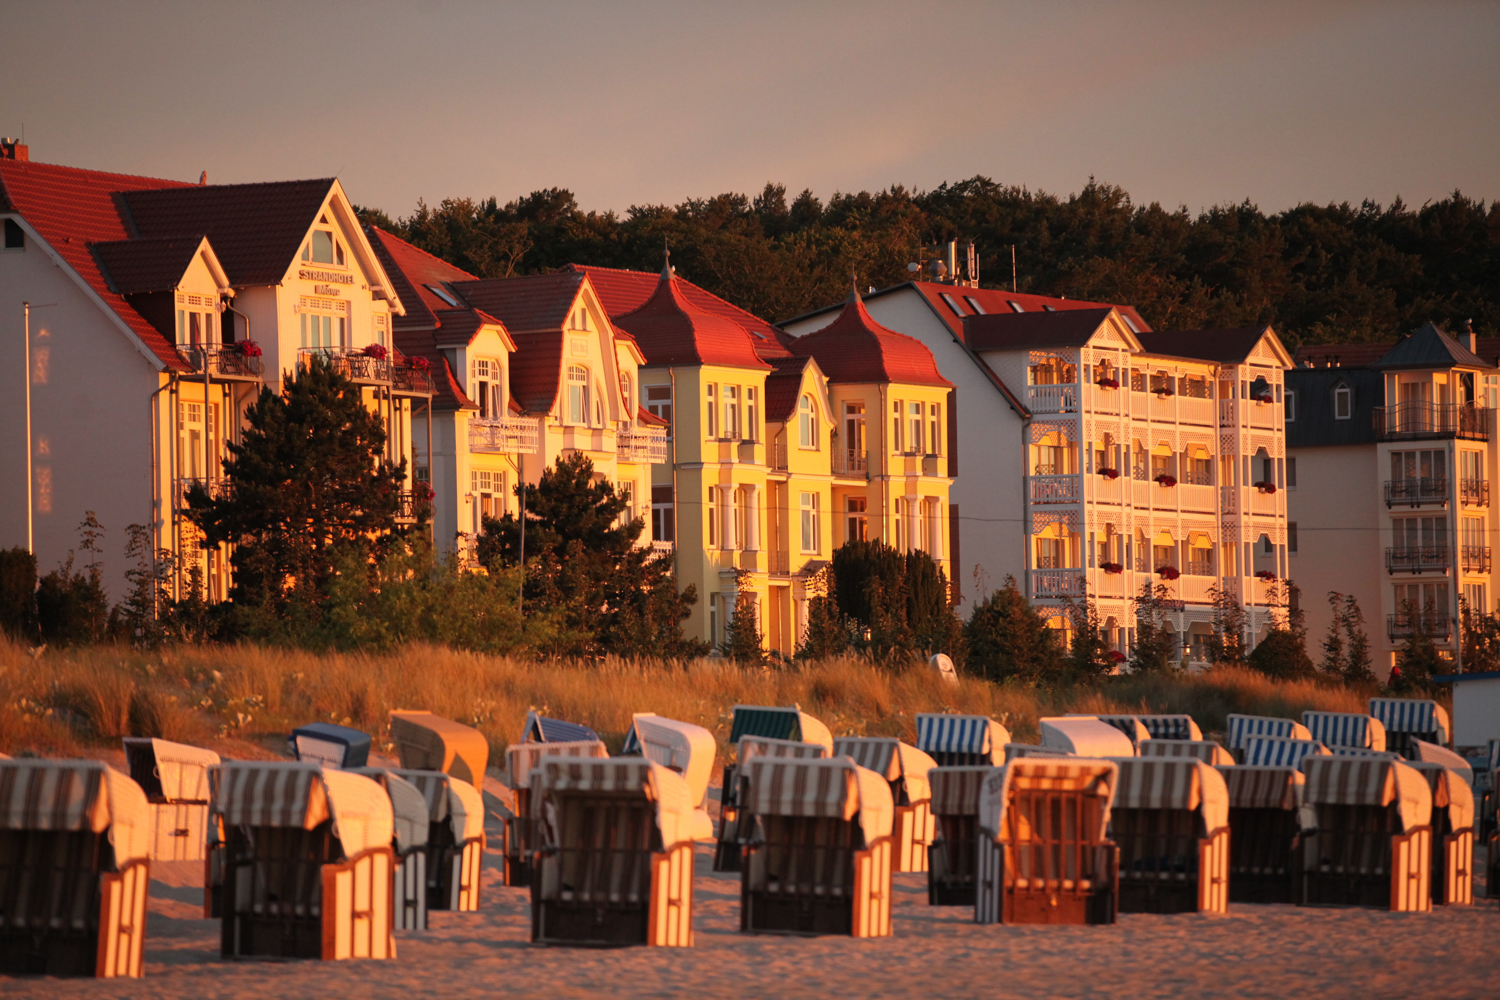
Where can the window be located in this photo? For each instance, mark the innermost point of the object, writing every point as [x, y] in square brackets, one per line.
[663, 514]
[598, 409]
[807, 424]
[1015, 306]
[195, 324]
[1343, 403]
[1431, 598]
[323, 324]
[379, 325]
[896, 426]
[1290, 401]
[1291, 473]
[578, 395]
[1161, 555]
[15, 236]
[856, 527]
[1291, 537]
[732, 412]
[975, 305]
[951, 304]
[1491, 384]
[1420, 532]
[752, 415]
[487, 388]
[713, 410]
[1134, 327]
[1419, 465]
[1199, 470]
[932, 535]
[659, 403]
[579, 319]
[746, 519]
[323, 247]
[1051, 553]
[714, 514]
[626, 393]
[489, 495]
[932, 429]
[914, 443]
[192, 433]
[1475, 598]
[811, 529]
[626, 491]
[444, 294]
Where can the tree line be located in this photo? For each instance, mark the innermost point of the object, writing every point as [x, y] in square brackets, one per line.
[1337, 273]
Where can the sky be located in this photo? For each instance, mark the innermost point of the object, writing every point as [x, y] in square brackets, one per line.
[633, 103]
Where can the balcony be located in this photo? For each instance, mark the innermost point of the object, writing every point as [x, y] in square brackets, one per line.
[225, 362]
[411, 504]
[777, 456]
[218, 488]
[779, 563]
[1055, 489]
[1417, 492]
[1047, 583]
[1474, 558]
[1418, 559]
[506, 436]
[1474, 492]
[647, 446]
[1401, 626]
[1052, 398]
[356, 366]
[1193, 410]
[1410, 421]
[852, 463]
[1229, 499]
[664, 549]
[408, 379]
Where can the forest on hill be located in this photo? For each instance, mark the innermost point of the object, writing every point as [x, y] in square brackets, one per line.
[1317, 273]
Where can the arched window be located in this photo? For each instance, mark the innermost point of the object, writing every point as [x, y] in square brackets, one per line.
[807, 423]
[578, 395]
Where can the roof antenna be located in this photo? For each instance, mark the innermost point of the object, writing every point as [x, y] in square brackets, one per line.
[853, 286]
[667, 270]
[203, 178]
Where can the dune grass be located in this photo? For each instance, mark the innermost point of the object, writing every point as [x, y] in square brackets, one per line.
[244, 699]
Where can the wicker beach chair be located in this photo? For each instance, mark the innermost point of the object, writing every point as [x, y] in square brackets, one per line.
[1367, 835]
[1205, 750]
[1130, 725]
[817, 851]
[1263, 832]
[1170, 820]
[520, 830]
[906, 768]
[1345, 729]
[1044, 855]
[334, 746]
[1087, 736]
[727, 851]
[961, 740]
[75, 837]
[455, 839]
[1171, 727]
[1242, 727]
[681, 747]
[954, 855]
[427, 742]
[307, 861]
[1270, 751]
[409, 842]
[1452, 833]
[1407, 719]
[615, 861]
[784, 725]
[174, 777]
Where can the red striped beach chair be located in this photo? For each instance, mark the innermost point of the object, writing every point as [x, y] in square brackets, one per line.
[1263, 832]
[75, 837]
[1171, 822]
[906, 768]
[174, 777]
[955, 845]
[520, 832]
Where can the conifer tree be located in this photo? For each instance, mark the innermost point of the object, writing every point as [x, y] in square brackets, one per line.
[1155, 648]
[743, 642]
[1006, 638]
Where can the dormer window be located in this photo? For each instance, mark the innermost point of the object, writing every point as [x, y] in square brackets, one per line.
[1343, 403]
[1015, 306]
[443, 294]
[323, 247]
[578, 395]
[579, 320]
[487, 391]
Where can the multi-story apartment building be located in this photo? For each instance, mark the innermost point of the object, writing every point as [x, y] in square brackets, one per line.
[158, 312]
[1391, 451]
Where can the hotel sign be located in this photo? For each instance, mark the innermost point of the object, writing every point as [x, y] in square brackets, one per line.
[336, 277]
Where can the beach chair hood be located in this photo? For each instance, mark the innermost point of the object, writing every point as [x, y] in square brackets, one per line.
[1254, 787]
[540, 729]
[891, 759]
[1359, 781]
[1345, 729]
[1075, 774]
[765, 746]
[1431, 753]
[181, 769]
[668, 790]
[1017, 751]
[1242, 727]
[522, 759]
[329, 744]
[1205, 750]
[1086, 736]
[1411, 715]
[1270, 751]
[682, 747]
[428, 742]
[1173, 783]
[409, 811]
[955, 790]
[836, 787]
[1171, 727]
[302, 794]
[1451, 791]
[1130, 725]
[974, 734]
[780, 724]
[77, 795]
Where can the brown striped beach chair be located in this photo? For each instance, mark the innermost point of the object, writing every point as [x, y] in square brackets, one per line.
[520, 831]
[308, 866]
[1171, 822]
[455, 839]
[906, 768]
[1263, 832]
[1452, 834]
[817, 853]
[615, 860]
[409, 842]
[680, 747]
[174, 777]
[728, 850]
[75, 839]
[954, 854]
[1205, 750]
[1367, 835]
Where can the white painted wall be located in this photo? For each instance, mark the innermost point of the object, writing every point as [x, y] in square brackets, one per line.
[1476, 711]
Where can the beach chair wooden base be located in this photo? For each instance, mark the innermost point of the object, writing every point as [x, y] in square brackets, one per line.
[951, 859]
[520, 841]
[1452, 867]
[453, 870]
[1168, 865]
[1358, 856]
[727, 849]
[1019, 900]
[1261, 855]
[911, 835]
[409, 904]
[179, 830]
[809, 876]
[63, 912]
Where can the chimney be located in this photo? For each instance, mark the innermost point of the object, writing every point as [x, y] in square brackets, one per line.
[1471, 341]
[13, 149]
[203, 178]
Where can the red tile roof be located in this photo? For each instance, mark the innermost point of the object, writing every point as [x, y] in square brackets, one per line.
[136, 266]
[672, 330]
[783, 386]
[72, 208]
[645, 416]
[411, 271]
[449, 392]
[855, 348]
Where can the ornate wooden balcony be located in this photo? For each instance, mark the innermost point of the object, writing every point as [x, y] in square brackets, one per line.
[505, 436]
[645, 445]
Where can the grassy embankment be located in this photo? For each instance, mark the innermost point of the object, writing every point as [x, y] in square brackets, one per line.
[242, 700]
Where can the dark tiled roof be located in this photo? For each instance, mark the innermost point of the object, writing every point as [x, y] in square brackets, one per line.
[535, 370]
[783, 386]
[525, 304]
[1033, 331]
[1340, 355]
[411, 270]
[136, 266]
[856, 349]
[449, 394]
[1314, 424]
[1227, 347]
[672, 330]
[1429, 347]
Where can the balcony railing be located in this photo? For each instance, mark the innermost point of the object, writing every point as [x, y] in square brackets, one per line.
[1474, 492]
[777, 455]
[1054, 489]
[1418, 559]
[1057, 583]
[1401, 626]
[1200, 567]
[218, 488]
[850, 462]
[668, 549]
[407, 378]
[779, 563]
[225, 362]
[1475, 558]
[646, 445]
[1052, 398]
[412, 504]
[1416, 492]
[1407, 421]
[356, 366]
[507, 436]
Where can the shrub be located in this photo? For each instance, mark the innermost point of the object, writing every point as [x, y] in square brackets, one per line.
[18, 593]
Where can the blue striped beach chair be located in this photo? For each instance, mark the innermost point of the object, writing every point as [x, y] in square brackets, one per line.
[1407, 719]
[1171, 727]
[1345, 729]
[1242, 727]
[1268, 751]
[961, 740]
[540, 729]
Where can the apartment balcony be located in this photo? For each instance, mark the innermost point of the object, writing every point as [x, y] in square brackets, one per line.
[1191, 496]
[227, 362]
[1419, 492]
[505, 436]
[1229, 499]
[1474, 558]
[1047, 583]
[356, 366]
[851, 463]
[1055, 489]
[776, 455]
[1262, 502]
[745, 454]
[779, 563]
[1474, 492]
[1401, 626]
[1418, 559]
[411, 504]
[1195, 410]
[1052, 398]
[648, 445]
[410, 379]
[217, 487]
[664, 549]
[1412, 421]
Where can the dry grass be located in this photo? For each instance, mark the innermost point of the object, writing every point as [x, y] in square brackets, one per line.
[238, 698]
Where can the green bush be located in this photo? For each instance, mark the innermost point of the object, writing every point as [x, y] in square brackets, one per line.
[18, 593]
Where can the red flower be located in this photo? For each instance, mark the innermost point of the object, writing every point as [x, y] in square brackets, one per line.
[421, 364]
[1108, 383]
[1266, 486]
[1166, 480]
[1267, 575]
[1115, 656]
[1110, 473]
[1112, 567]
[249, 348]
[1167, 572]
[376, 351]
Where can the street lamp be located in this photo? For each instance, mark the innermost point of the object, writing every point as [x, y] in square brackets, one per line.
[26, 308]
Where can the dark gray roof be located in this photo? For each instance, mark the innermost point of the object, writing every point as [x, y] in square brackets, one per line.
[1429, 347]
[1224, 346]
[1033, 330]
[1314, 425]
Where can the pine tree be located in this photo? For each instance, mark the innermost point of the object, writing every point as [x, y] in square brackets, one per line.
[1155, 649]
[1282, 654]
[1357, 665]
[1418, 659]
[1226, 644]
[902, 601]
[1333, 662]
[1089, 651]
[18, 593]
[743, 642]
[1007, 638]
[828, 633]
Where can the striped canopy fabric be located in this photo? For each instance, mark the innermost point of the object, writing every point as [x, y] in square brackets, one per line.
[1253, 787]
[972, 734]
[616, 775]
[449, 800]
[522, 759]
[78, 795]
[1171, 727]
[269, 793]
[1173, 783]
[1345, 729]
[1130, 725]
[778, 724]
[1205, 750]
[891, 759]
[1086, 736]
[409, 809]
[1431, 753]
[955, 790]
[1242, 727]
[1451, 791]
[683, 747]
[1359, 781]
[1360, 752]
[540, 729]
[765, 746]
[836, 788]
[1091, 777]
[1411, 715]
[1268, 751]
[1016, 751]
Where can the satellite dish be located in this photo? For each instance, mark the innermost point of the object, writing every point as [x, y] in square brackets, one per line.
[944, 666]
[914, 266]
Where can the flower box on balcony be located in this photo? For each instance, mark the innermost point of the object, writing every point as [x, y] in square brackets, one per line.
[249, 348]
[1166, 480]
[421, 364]
[1167, 572]
[1108, 383]
[1115, 656]
[1164, 393]
[1264, 397]
[1110, 473]
[1112, 567]
[1266, 575]
[376, 351]
[1266, 486]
